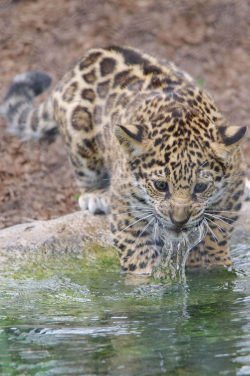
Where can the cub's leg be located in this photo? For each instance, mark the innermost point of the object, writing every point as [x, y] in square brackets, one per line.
[92, 179]
[135, 236]
[214, 249]
[75, 108]
[90, 172]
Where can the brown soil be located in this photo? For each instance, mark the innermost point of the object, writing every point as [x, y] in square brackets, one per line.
[209, 39]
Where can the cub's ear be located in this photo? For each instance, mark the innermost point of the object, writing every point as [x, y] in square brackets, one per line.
[229, 138]
[231, 135]
[132, 138]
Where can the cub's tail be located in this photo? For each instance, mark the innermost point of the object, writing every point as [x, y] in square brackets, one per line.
[24, 120]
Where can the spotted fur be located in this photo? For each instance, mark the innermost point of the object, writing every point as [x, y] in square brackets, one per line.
[148, 147]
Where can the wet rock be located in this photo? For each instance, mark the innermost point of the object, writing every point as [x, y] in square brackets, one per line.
[73, 233]
[68, 234]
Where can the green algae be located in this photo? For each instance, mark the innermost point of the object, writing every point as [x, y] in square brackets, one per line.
[78, 314]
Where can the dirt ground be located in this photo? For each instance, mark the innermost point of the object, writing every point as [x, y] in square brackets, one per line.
[210, 39]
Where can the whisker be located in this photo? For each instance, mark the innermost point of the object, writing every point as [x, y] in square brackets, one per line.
[203, 164]
[137, 211]
[140, 219]
[136, 207]
[202, 231]
[232, 178]
[209, 228]
[221, 211]
[216, 224]
[143, 230]
[241, 174]
[133, 206]
[222, 219]
[155, 230]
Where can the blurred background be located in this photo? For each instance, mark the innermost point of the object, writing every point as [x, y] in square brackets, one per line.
[210, 39]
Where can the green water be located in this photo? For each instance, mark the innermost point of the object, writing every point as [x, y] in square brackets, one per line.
[60, 318]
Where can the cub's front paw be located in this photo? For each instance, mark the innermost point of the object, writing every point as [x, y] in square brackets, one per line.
[95, 203]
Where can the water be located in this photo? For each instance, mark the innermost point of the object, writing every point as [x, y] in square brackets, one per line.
[60, 318]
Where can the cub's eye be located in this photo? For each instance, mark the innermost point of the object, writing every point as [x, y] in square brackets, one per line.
[161, 186]
[200, 187]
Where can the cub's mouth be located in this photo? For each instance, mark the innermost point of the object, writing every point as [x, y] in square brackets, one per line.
[177, 231]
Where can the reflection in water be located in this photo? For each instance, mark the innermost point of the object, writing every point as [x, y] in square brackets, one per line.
[70, 320]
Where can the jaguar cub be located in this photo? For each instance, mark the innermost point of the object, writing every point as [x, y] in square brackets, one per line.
[149, 149]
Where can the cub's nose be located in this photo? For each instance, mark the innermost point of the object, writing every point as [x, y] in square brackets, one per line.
[179, 214]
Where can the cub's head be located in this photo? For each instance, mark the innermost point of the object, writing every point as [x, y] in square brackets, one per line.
[182, 166]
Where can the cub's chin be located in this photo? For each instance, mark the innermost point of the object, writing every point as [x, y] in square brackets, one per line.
[190, 236]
